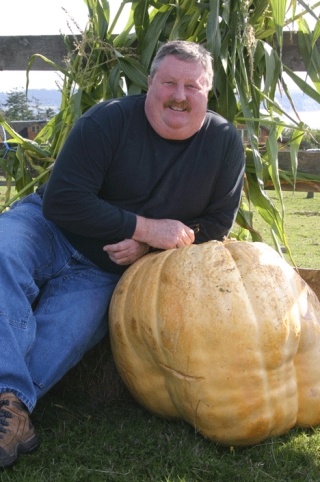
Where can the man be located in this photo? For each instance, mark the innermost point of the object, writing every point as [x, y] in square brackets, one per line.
[136, 173]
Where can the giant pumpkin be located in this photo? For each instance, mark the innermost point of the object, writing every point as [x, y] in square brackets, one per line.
[225, 336]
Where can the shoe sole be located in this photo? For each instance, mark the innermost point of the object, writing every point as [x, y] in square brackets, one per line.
[23, 448]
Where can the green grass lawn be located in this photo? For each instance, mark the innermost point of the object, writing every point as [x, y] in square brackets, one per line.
[302, 224]
[92, 431]
[90, 440]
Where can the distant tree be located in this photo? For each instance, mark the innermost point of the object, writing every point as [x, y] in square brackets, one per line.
[48, 113]
[19, 107]
[310, 140]
[42, 113]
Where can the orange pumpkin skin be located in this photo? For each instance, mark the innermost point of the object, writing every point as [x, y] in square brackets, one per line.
[225, 336]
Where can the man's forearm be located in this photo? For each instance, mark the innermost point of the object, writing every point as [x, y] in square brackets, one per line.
[162, 233]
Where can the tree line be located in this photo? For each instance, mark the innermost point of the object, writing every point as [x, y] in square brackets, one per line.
[19, 107]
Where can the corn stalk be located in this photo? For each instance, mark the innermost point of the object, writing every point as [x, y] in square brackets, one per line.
[245, 39]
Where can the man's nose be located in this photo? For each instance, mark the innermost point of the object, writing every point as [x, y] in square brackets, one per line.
[179, 93]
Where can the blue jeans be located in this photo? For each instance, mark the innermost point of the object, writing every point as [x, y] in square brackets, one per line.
[53, 302]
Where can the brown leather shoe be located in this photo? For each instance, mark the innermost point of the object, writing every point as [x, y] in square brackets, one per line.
[17, 435]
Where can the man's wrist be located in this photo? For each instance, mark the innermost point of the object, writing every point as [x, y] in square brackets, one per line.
[141, 231]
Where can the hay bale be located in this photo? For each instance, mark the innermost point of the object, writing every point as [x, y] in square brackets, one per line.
[312, 278]
[96, 375]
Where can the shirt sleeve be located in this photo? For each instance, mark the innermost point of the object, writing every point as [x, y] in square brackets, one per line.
[217, 219]
[71, 198]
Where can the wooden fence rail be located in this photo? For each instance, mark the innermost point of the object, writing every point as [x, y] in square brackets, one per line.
[308, 163]
[15, 51]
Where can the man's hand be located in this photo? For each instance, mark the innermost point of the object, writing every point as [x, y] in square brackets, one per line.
[163, 233]
[157, 233]
[126, 252]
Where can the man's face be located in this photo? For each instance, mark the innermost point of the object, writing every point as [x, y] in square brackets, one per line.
[177, 98]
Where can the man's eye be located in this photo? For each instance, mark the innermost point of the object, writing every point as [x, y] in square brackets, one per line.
[169, 82]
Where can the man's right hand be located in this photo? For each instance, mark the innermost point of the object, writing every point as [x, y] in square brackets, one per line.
[163, 233]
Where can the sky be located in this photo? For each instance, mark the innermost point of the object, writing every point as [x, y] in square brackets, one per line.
[42, 17]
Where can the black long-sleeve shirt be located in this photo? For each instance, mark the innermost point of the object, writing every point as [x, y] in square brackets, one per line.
[113, 166]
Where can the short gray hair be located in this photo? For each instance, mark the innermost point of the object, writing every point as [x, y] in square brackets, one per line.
[187, 51]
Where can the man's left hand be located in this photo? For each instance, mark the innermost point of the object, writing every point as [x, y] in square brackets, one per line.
[127, 251]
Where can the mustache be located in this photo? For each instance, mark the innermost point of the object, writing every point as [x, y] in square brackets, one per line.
[178, 105]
